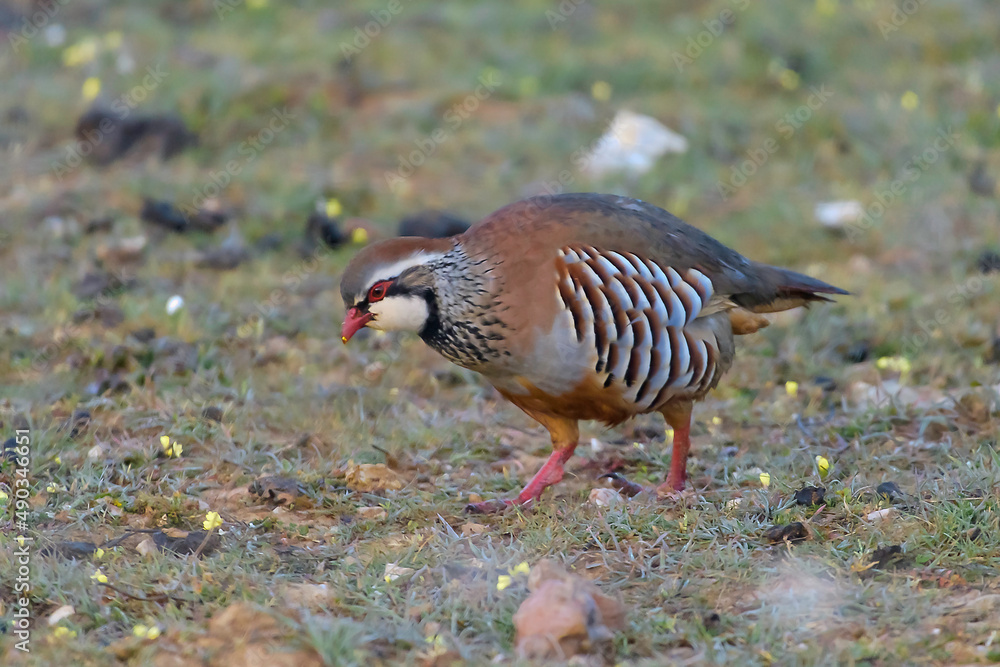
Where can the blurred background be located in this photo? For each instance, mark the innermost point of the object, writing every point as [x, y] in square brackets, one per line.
[182, 181]
[359, 90]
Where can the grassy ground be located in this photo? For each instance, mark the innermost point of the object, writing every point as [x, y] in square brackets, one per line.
[258, 344]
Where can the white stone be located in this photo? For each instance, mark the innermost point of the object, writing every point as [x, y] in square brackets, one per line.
[604, 497]
[887, 514]
[61, 613]
[836, 214]
[174, 304]
[394, 571]
[632, 144]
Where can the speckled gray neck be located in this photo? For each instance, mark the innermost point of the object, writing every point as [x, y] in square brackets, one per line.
[464, 325]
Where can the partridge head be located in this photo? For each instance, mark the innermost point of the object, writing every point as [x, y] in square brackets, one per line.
[577, 307]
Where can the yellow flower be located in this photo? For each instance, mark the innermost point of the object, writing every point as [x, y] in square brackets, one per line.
[113, 40]
[171, 449]
[61, 632]
[789, 79]
[99, 577]
[716, 421]
[333, 208]
[601, 91]
[58, 460]
[212, 521]
[910, 100]
[146, 632]
[792, 388]
[99, 553]
[521, 568]
[900, 365]
[822, 465]
[503, 581]
[91, 88]
[80, 53]
[765, 479]
[3, 496]
[52, 488]
[669, 432]
[359, 235]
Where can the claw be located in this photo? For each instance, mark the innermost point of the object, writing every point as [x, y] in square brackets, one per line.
[494, 506]
[667, 492]
[630, 489]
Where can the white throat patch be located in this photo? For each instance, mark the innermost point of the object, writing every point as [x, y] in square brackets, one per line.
[399, 313]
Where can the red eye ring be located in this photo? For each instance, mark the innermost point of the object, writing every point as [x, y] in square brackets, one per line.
[378, 290]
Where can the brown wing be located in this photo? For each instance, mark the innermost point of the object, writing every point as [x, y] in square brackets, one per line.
[620, 224]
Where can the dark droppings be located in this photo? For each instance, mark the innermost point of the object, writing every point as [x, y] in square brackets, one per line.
[793, 532]
[889, 491]
[810, 495]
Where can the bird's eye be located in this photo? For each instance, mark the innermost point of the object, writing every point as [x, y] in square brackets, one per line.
[377, 292]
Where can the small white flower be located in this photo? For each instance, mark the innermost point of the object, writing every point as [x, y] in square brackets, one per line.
[174, 303]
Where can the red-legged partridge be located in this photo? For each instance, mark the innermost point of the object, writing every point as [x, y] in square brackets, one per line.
[577, 306]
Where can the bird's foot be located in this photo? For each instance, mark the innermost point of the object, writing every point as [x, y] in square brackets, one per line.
[622, 485]
[666, 491]
[494, 506]
[674, 485]
[669, 492]
[549, 474]
[499, 505]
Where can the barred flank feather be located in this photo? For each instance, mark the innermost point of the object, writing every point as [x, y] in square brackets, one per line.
[634, 314]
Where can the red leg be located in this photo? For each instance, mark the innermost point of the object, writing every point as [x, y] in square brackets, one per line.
[679, 417]
[564, 438]
[549, 474]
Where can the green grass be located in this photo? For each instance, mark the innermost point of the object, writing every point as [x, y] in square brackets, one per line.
[261, 342]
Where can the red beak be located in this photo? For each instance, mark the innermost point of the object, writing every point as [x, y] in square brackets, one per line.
[354, 322]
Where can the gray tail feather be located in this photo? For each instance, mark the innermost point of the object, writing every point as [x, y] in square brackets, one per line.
[782, 289]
